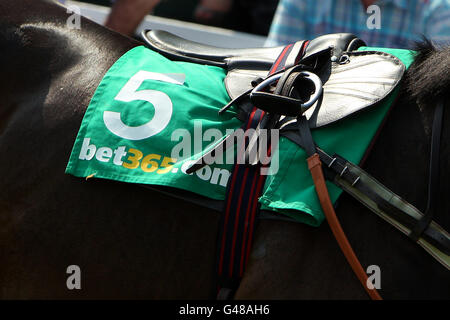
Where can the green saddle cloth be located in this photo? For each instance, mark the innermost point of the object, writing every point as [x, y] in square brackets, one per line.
[147, 106]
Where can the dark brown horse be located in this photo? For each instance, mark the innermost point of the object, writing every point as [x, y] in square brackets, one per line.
[131, 242]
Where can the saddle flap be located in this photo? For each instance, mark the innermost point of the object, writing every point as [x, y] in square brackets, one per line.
[359, 80]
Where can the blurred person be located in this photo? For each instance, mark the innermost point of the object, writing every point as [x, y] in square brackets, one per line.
[126, 15]
[212, 12]
[401, 22]
[253, 16]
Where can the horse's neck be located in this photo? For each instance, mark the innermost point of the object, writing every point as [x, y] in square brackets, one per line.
[55, 47]
[41, 54]
[44, 63]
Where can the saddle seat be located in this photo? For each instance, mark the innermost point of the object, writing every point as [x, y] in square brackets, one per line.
[352, 80]
[175, 47]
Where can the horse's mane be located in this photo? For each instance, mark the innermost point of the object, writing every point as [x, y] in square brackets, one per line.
[428, 79]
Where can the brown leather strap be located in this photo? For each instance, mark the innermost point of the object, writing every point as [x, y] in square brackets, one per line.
[315, 166]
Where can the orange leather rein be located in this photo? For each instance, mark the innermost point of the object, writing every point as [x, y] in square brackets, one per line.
[315, 167]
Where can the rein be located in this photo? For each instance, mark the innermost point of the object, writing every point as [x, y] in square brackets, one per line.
[314, 165]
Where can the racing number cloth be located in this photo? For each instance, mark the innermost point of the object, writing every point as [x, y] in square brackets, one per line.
[150, 118]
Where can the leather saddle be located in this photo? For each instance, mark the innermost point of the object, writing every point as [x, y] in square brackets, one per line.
[352, 80]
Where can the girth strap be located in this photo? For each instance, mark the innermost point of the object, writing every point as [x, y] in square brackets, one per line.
[244, 189]
[237, 222]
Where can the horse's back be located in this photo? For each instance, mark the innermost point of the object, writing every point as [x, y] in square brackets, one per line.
[124, 238]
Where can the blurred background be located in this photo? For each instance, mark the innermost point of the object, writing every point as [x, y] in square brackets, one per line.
[238, 24]
[250, 16]
[258, 23]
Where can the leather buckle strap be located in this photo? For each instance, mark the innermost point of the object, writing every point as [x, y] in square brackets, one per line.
[286, 104]
[394, 210]
[340, 170]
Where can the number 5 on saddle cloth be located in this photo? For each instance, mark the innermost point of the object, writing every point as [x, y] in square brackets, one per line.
[306, 85]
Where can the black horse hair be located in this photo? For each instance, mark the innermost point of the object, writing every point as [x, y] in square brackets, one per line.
[428, 79]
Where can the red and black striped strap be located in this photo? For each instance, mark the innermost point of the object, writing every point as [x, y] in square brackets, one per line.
[243, 191]
[237, 222]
